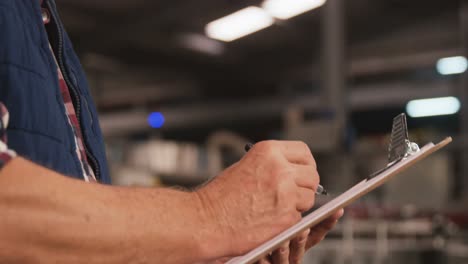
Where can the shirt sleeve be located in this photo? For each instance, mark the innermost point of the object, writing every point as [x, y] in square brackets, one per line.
[5, 153]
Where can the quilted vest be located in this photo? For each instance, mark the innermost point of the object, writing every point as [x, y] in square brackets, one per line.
[38, 128]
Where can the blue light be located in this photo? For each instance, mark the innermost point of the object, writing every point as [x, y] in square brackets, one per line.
[156, 120]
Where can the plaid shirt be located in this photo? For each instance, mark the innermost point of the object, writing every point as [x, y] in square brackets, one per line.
[88, 173]
[6, 154]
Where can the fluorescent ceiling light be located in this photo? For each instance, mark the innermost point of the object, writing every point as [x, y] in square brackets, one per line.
[433, 107]
[201, 43]
[241, 23]
[452, 65]
[285, 9]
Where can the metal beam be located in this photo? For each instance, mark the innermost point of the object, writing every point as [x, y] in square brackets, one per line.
[463, 95]
[224, 112]
[334, 62]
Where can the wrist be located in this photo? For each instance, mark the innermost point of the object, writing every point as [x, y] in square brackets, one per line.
[214, 234]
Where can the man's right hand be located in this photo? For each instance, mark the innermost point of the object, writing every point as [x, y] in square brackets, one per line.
[261, 195]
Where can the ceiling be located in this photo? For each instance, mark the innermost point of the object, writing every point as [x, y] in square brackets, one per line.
[143, 50]
[145, 31]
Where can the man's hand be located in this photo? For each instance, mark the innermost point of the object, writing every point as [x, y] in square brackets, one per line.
[293, 251]
[261, 195]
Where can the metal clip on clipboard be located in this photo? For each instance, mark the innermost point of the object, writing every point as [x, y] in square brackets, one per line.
[400, 146]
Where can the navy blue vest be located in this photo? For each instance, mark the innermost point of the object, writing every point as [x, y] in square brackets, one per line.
[38, 128]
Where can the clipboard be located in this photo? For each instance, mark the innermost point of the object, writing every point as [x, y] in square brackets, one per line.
[402, 155]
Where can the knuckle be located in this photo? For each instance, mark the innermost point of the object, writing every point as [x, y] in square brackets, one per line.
[295, 259]
[266, 146]
[297, 142]
[308, 153]
[311, 203]
[311, 198]
[306, 201]
[301, 208]
[303, 145]
[315, 179]
[312, 160]
[284, 250]
[301, 241]
[303, 236]
[305, 148]
[281, 173]
[276, 166]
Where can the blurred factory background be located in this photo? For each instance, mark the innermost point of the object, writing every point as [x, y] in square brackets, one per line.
[181, 86]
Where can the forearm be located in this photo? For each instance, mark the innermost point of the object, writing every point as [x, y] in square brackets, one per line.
[46, 217]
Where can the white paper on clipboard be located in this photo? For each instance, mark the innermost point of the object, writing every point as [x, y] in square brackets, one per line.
[341, 201]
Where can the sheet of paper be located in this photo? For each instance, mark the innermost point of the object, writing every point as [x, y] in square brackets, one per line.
[341, 201]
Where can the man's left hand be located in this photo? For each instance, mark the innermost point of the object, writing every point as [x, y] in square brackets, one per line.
[292, 252]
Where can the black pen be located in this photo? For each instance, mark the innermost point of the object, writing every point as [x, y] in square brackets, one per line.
[320, 190]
